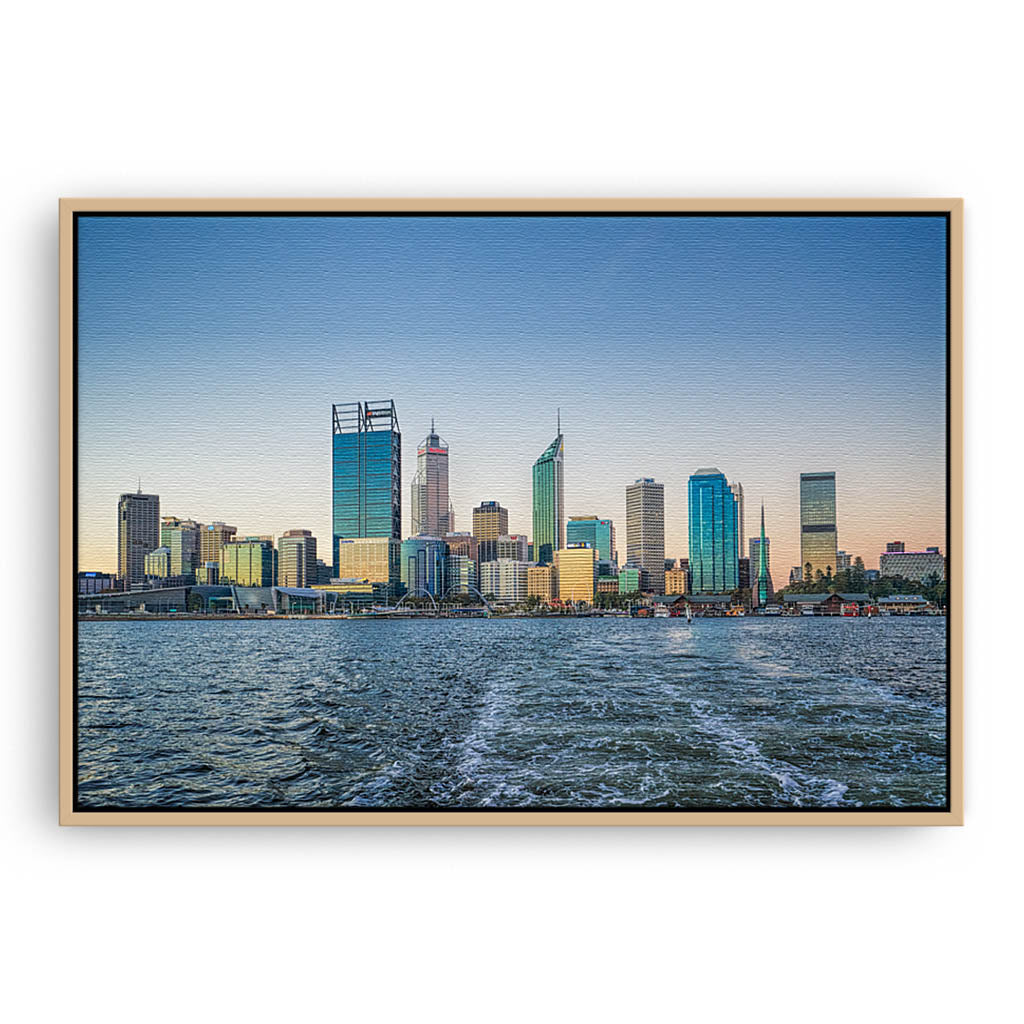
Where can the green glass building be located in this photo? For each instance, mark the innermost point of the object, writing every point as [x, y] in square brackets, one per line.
[549, 501]
[598, 533]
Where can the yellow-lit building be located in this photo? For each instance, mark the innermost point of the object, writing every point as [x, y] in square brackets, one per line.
[542, 582]
[375, 559]
[577, 573]
[675, 581]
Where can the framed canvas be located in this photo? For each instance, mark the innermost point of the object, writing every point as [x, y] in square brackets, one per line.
[518, 511]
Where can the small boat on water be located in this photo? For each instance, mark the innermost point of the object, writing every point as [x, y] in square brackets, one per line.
[661, 611]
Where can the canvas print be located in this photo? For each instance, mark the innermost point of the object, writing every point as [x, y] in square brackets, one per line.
[511, 511]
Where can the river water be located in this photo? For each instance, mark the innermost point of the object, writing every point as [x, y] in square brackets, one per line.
[538, 713]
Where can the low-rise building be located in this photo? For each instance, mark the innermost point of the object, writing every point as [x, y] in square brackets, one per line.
[913, 565]
[903, 604]
[822, 604]
[676, 582]
[542, 582]
[633, 580]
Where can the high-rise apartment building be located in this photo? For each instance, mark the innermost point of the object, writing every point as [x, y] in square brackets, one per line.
[183, 538]
[490, 521]
[549, 500]
[598, 533]
[714, 566]
[577, 573]
[676, 581]
[645, 530]
[514, 546]
[431, 507]
[506, 579]
[138, 533]
[212, 538]
[366, 472]
[818, 541]
[741, 541]
[296, 559]
[249, 562]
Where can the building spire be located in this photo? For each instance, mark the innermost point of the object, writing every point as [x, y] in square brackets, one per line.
[140, 485]
[432, 424]
[559, 421]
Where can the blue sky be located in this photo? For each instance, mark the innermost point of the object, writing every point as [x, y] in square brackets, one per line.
[210, 350]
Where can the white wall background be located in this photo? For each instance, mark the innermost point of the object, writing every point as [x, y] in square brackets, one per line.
[566, 99]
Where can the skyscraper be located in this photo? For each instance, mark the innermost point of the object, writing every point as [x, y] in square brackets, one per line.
[818, 541]
[490, 521]
[138, 533]
[296, 559]
[212, 539]
[741, 541]
[424, 566]
[430, 504]
[183, 538]
[598, 533]
[549, 500]
[761, 567]
[367, 472]
[714, 566]
[645, 530]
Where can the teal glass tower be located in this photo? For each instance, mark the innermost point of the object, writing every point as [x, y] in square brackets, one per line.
[598, 533]
[714, 565]
[549, 501]
[366, 472]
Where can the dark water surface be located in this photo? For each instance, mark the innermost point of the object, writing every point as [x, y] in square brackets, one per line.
[513, 713]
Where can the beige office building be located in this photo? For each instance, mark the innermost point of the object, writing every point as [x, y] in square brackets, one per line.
[296, 559]
[542, 582]
[675, 581]
[490, 521]
[645, 530]
[577, 573]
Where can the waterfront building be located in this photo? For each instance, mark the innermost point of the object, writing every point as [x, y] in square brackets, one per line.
[249, 562]
[95, 582]
[461, 574]
[760, 567]
[377, 559]
[366, 473]
[431, 507]
[913, 565]
[506, 578]
[208, 574]
[549, 500]
[577, 572]
[598, 533]
[490, 521]
[542, 582]
[741, 540]
[183, 538]
[514, 546]
[714, 567]
[743, 573]
[645, 530]
[633, 580]
[138, 533]
[296, 559]
[423, 565]
[211, 539]
[607, 584]
[157, 564]
[895, 546]
[818, 541]
[676, 582]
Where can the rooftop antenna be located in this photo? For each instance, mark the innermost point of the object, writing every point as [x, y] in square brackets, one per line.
[431, 424]
[140, 485]
[559, 421]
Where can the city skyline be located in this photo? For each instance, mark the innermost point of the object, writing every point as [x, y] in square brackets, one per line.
[847, 313]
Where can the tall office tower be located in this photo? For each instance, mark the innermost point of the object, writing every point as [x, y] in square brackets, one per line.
[818, 542]
[645, 530]
[249, 562]
[577, 572]
[367, 472]
[424, 562]
[598, 533]
[430, 503]
[183, 538]
[490, 521]
[549, 500]
[212, 538]
[138, 533]
[714, 567]
[761, 567]
[741, 540]
[513, 546]
[296, 559]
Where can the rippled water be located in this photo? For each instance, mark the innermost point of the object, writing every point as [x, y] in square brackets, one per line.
[513, 713]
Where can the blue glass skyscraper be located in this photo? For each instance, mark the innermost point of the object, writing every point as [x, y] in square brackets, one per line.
[366, 472]
[714, 565]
